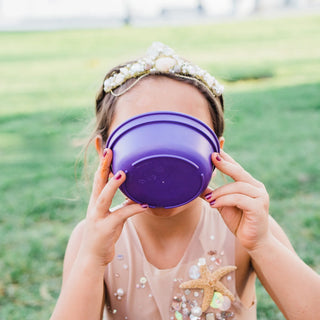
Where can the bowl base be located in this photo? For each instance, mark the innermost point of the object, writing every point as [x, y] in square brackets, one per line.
[164, 181]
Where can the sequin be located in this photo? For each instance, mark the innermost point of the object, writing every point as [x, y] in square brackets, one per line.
[218, 316]
[143, 280]
[150, 295]
[178, 315]
[194, 272]
[213, 258]
[196, 311]
[217, 300]
[117, 275]
[201, 262]
[229, 278]
[120, 292]
[212, 252]
[114, 311]
[185, 311]
[227, 314]
[209, 316]
[194, 303]
[125, 266]
[212, 237]
[120, 256]
[222, 253]
[187, 292]
[196, 294]
[176, 304]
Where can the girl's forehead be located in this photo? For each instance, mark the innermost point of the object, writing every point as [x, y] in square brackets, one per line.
[161, 94]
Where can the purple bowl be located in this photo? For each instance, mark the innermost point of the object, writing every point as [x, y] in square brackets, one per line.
[166, 157]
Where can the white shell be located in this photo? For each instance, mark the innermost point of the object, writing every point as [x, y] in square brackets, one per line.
[226, 304]
[164, 64]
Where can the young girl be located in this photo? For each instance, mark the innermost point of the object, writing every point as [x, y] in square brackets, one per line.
[196, 261]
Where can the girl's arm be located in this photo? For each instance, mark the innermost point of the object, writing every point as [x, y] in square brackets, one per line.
[91, 248]
[244, 206]
[293, 285]
[82, 292]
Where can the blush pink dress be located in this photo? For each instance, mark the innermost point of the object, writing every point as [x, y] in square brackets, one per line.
[135, 289]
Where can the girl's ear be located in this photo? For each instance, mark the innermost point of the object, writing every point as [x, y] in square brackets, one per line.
[221, 141]
[98, 145]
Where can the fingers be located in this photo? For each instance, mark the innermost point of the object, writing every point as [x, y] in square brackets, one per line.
[238, 187]
[122, 214]
[239, 201]
[106, 163]
[101, 176]
[230, 167]
[104, 200]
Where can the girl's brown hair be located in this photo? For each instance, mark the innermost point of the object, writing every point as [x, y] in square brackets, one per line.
[106, 102]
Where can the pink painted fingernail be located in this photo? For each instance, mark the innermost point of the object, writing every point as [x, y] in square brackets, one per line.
[144, 205]
[117, 176]
[208, 195]
[218, 158]
[105, 152]
[212, 202]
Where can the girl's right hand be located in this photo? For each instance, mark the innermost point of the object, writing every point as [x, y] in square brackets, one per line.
[103, 227]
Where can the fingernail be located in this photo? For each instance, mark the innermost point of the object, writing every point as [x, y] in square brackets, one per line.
[208, 195]
[117, 176]
[144, 205]
[212, 202]
[105, 152]
[218, 158]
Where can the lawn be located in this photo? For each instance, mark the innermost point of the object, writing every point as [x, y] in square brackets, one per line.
[48, 81]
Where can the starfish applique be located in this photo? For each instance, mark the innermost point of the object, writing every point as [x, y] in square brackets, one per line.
[210, 282]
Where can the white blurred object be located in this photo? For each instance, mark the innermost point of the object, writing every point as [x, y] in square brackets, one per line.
[42, 14]
[61, 8]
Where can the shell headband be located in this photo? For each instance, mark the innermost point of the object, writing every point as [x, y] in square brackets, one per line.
[161, 59]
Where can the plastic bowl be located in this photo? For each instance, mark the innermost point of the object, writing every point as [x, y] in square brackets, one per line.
[166, 157]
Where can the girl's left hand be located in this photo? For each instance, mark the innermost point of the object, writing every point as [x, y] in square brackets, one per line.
[243, 204]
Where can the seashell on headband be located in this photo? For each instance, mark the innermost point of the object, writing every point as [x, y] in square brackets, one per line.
[161, 59]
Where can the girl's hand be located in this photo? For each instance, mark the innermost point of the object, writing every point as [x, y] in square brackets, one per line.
[103, 227]
[243, 204]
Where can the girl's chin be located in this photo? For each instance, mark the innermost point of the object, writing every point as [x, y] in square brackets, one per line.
[166, 213]
[162, 212]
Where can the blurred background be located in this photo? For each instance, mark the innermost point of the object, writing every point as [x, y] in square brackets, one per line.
[57, 14]
[53, 57]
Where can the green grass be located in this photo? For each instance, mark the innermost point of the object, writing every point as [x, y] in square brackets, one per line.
[48, 80]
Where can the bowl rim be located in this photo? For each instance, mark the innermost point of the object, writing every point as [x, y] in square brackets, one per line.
[125, 126]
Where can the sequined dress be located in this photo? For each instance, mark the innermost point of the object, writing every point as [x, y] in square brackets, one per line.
[138, 290]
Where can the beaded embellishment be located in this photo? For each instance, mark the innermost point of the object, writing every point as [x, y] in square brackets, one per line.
[162, 59]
